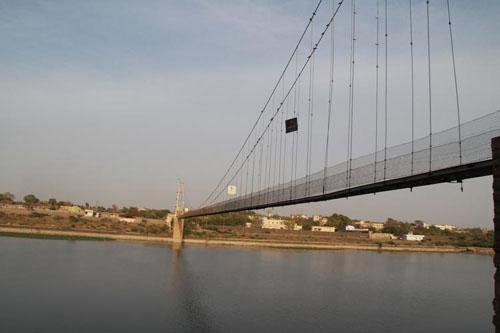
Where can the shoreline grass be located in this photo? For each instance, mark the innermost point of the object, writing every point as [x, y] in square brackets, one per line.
[53, 237]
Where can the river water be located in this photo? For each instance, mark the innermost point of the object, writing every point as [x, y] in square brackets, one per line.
[87, 286]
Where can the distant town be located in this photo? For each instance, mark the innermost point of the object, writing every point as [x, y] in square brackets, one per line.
[32, 213]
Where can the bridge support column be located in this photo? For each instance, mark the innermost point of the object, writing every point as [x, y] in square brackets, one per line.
[495, 149]
[178, 230]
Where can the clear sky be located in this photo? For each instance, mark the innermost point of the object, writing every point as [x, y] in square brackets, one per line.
[112, 101]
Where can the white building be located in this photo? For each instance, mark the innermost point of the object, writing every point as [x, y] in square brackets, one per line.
[445, 227]
[270, 223]
[352, 228]
[248, 224]
[316, 218]
[415, 238]
[91, 213]
[323, 228]
[297, 227]
[366, 224]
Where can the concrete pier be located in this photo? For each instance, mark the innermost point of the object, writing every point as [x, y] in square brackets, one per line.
[178, 229]
[495, 148]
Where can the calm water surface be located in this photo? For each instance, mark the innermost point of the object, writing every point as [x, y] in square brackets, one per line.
[84, 286]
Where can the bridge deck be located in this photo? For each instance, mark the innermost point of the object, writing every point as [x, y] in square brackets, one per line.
[423, 162]
[457, 173]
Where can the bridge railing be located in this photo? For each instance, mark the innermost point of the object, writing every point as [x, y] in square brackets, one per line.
[401, 161]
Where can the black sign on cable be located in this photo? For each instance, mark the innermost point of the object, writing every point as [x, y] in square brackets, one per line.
[291, 125]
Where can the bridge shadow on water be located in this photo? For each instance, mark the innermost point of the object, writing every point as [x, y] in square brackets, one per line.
[191, 313]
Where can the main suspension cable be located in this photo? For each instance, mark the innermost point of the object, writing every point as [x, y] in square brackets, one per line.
[266, 103]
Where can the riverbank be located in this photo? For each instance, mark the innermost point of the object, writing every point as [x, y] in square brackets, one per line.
[42, 235]
[77, 235]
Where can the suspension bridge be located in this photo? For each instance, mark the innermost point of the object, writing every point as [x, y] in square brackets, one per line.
[287, 157]
[347, 117]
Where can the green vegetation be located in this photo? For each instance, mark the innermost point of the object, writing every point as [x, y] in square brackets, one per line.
[466, 237]
[158, 214]
[57, 237]
[31, 199]
[225, 225]
[131, 212]
[339, 221]
[53, 204]
[227, 219]
[73, 219]
[476, 237]
[7, 197]
[305, 223]
[397, 228]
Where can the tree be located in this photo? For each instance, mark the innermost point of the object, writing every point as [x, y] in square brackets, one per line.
[158, 214]
[31, 199]
[306, 224]
[53, 203]
[130, 212]
[7, 196]
[226, 219]
[338, 221]
[396, 227]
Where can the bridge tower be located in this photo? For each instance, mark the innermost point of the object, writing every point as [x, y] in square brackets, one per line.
[495, 149]
[178, 222]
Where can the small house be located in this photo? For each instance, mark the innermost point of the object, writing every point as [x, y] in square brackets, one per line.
[323, 228]
[411, 237]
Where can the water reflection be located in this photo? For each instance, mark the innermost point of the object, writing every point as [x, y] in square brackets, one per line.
[175, 267]
[182, 287]
[128, 288]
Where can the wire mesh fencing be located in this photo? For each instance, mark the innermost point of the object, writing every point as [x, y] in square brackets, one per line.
[428, 154]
